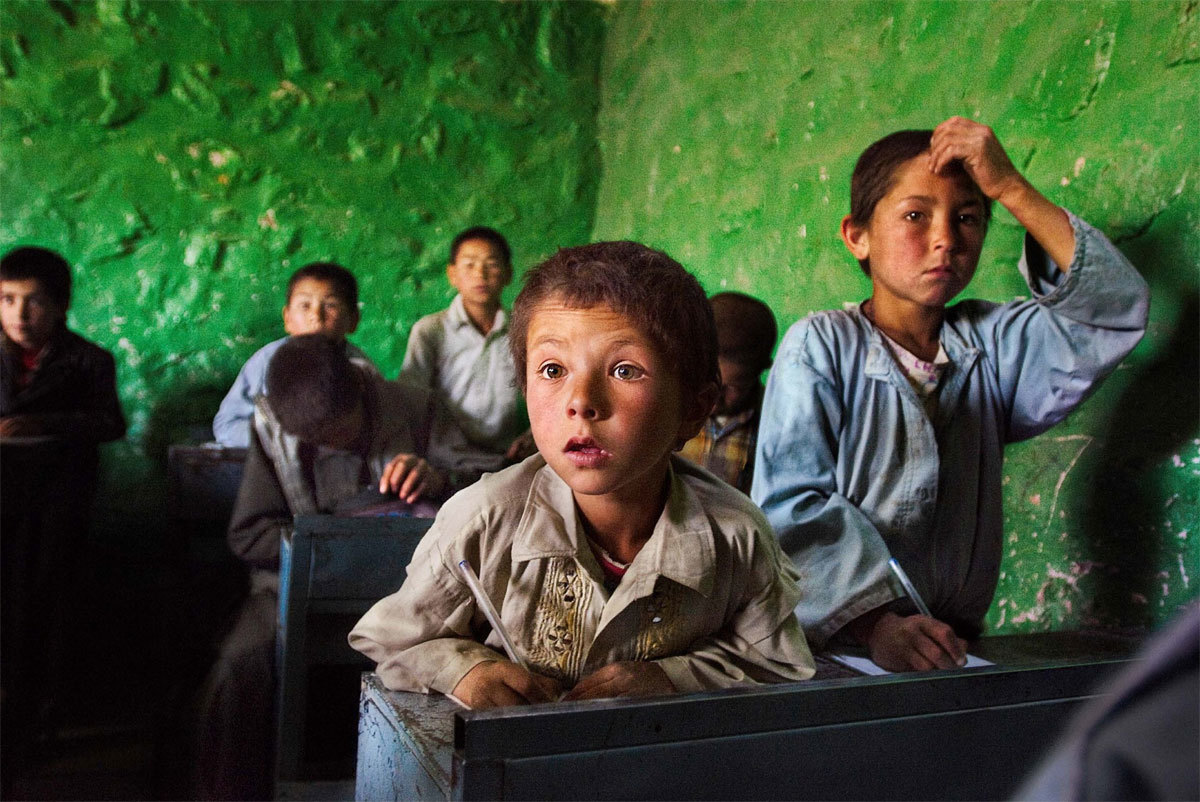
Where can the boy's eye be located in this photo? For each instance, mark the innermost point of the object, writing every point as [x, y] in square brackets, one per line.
[627, 372]
[551, 371]
[913, 215]
[970, 218]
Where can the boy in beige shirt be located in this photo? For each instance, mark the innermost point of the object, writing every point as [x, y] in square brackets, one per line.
[618, 568]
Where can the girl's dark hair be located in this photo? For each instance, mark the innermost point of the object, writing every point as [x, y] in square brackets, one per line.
[663, 300]
[875, 174]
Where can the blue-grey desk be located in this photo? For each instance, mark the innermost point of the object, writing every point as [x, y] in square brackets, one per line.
[968, 734]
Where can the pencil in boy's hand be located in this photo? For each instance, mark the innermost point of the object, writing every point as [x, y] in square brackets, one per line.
[489, 611]
[909, 588]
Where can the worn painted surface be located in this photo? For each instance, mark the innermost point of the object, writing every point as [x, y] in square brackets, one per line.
[186, 157]
[730, 143]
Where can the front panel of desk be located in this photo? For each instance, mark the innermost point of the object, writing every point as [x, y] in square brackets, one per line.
[968, 734]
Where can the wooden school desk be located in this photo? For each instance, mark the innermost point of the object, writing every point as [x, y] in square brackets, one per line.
[964, 734]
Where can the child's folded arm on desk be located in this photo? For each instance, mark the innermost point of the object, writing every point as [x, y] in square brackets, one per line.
[761, 643]
[418, 643]
[420, 636]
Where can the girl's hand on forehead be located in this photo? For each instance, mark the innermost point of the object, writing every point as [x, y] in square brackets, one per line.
[981, 154]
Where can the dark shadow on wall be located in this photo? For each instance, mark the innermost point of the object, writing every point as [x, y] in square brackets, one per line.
[1155, 417]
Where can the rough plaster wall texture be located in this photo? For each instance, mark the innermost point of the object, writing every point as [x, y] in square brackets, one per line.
[188, 156]
[730, 144]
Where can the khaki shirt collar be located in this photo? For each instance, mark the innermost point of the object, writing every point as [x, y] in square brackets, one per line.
[681, 548]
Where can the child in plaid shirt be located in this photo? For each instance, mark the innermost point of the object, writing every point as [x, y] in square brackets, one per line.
[746, 336]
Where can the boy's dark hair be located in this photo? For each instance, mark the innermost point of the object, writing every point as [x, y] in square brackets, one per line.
[47, 267]
[345, 286]
[875, 174]
[312, 384]
[662, 299]
[746, 330]
[489, 235]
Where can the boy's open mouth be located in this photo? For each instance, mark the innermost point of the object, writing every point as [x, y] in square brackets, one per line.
[585, 451]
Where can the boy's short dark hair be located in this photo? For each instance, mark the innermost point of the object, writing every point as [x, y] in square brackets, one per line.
[662, 299]
[489, 235]
[46, 266]
[746, 330]
[345, 285]
[311, 383]
[875, 174]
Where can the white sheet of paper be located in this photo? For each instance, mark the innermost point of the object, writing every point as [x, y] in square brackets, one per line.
[865, 665]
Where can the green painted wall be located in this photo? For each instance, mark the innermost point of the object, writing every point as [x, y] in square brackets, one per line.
[728, 135]
[188, 156]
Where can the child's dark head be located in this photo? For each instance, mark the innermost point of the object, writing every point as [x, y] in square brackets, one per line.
[617, 353]
[876, 171]
[35, 291]
[483, 234]
[650, 288]
[746, 334]
[322, 297]
[315, 391]
[480, 266]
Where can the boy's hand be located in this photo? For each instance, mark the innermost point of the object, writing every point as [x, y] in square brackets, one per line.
[500, 683]
[521, 448]
[20, 426]
[914, 643]
[409, 477]
[987, 164]
[622, 679]
[981, 154]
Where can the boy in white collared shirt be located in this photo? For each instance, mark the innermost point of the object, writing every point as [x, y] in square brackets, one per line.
[619, 568]
[462, 354]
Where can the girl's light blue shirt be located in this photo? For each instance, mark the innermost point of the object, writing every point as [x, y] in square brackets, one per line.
[851, 471]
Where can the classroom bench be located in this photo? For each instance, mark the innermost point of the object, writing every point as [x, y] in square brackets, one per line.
[964, 734]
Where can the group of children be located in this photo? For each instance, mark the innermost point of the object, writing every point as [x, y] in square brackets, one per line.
[620, 567]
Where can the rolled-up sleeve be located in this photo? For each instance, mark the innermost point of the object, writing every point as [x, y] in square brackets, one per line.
[1052, 351]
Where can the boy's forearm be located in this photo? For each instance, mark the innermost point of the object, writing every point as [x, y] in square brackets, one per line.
[724, 662]
[438, 664]
[1045, 221]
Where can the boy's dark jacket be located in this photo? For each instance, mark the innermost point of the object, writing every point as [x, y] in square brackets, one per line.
[73, 390]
